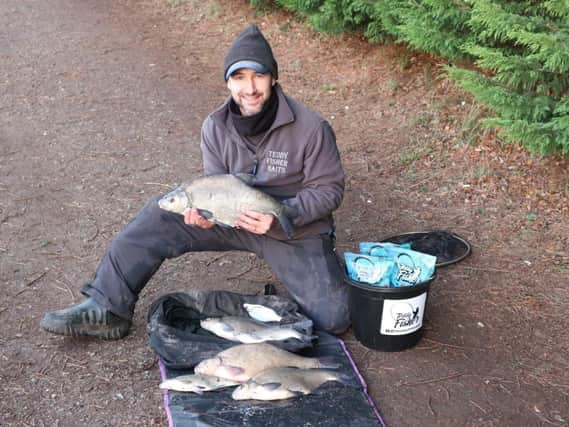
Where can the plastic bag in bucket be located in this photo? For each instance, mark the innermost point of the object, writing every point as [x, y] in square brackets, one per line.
[388, 264]
[413, 267]
[374, 270]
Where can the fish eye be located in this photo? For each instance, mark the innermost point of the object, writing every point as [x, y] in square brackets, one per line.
[171, 200]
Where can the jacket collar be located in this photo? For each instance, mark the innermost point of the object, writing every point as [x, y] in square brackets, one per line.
[284, 115]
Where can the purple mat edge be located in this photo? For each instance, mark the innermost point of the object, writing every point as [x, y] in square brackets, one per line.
[362, 382]
[344, 349]
[165, 393]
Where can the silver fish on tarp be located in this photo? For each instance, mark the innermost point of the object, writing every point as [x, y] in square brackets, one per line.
[241, 329]
[243, 361]
[220, 198]
[196, 383]
[262, 313]
[285, 383]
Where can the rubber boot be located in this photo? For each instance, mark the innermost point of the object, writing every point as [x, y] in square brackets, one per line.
[88, 318]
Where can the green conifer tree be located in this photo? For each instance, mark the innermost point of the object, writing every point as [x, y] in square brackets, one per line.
[522, 51]
[435, 26]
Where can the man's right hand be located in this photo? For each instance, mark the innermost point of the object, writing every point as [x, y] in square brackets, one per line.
[193, 217]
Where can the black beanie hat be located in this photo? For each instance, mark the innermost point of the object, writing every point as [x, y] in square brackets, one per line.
[251, 45]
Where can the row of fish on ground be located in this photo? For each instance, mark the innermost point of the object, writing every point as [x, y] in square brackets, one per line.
[391, 265]
[259, 370]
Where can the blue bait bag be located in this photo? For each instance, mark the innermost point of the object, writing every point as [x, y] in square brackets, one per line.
[411, 267]
[383, 249]
[374, 270]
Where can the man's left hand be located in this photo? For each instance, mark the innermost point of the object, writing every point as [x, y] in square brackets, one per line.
[255, 222]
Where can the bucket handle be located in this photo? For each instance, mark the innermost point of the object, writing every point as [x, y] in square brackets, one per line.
[414, 268]
[376, 246]
[375, 277]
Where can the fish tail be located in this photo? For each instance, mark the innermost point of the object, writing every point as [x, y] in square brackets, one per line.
[343, 378]
[286, 224]
[285, 217]
[303, 326]
[304, 329]
[328, 362]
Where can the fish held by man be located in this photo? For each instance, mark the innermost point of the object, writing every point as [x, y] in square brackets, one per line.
[220, 198]
[285, 383]
[241, 329]
[196, 383]
[243, 361]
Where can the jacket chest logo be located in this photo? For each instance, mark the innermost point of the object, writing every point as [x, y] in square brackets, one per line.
[277, 162]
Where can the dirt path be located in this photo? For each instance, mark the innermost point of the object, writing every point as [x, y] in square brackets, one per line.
[100, 107]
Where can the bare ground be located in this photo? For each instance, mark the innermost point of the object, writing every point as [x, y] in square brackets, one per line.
[101, 104]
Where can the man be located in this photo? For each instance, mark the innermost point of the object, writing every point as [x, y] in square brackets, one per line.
[292, 152]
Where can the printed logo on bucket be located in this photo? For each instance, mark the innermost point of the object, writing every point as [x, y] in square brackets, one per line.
[403, 316]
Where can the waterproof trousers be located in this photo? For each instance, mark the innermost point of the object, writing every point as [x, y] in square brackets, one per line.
[308, 267]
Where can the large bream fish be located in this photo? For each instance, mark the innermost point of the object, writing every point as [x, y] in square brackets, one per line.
[244, 361]
[284, 383]
[220, 198]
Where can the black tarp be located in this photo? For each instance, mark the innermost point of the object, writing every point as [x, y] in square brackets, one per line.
[173, 324]
[180, 343]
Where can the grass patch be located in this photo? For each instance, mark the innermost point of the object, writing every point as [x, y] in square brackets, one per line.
[422, 119]
[471, 129]
[393, 85]
[410, 157]
[328, 88]
[481, 171]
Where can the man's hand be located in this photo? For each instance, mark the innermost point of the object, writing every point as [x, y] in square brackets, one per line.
[255, 222]
[193, 217]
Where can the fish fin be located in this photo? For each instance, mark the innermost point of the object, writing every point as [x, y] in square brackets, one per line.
[304, 329]
[286, 225]
[229, 372]
[205, 213]
[222, 224]
[271, 386]
[290, 211]
[303, 326]
[247, 178]
[306, 339]
[287, 214]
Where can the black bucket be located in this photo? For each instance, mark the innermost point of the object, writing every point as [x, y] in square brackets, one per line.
[388, 319]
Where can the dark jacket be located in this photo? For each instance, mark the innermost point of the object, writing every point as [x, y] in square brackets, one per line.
[297, 161]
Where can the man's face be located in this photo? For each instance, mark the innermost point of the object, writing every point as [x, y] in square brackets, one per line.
[250, 90]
